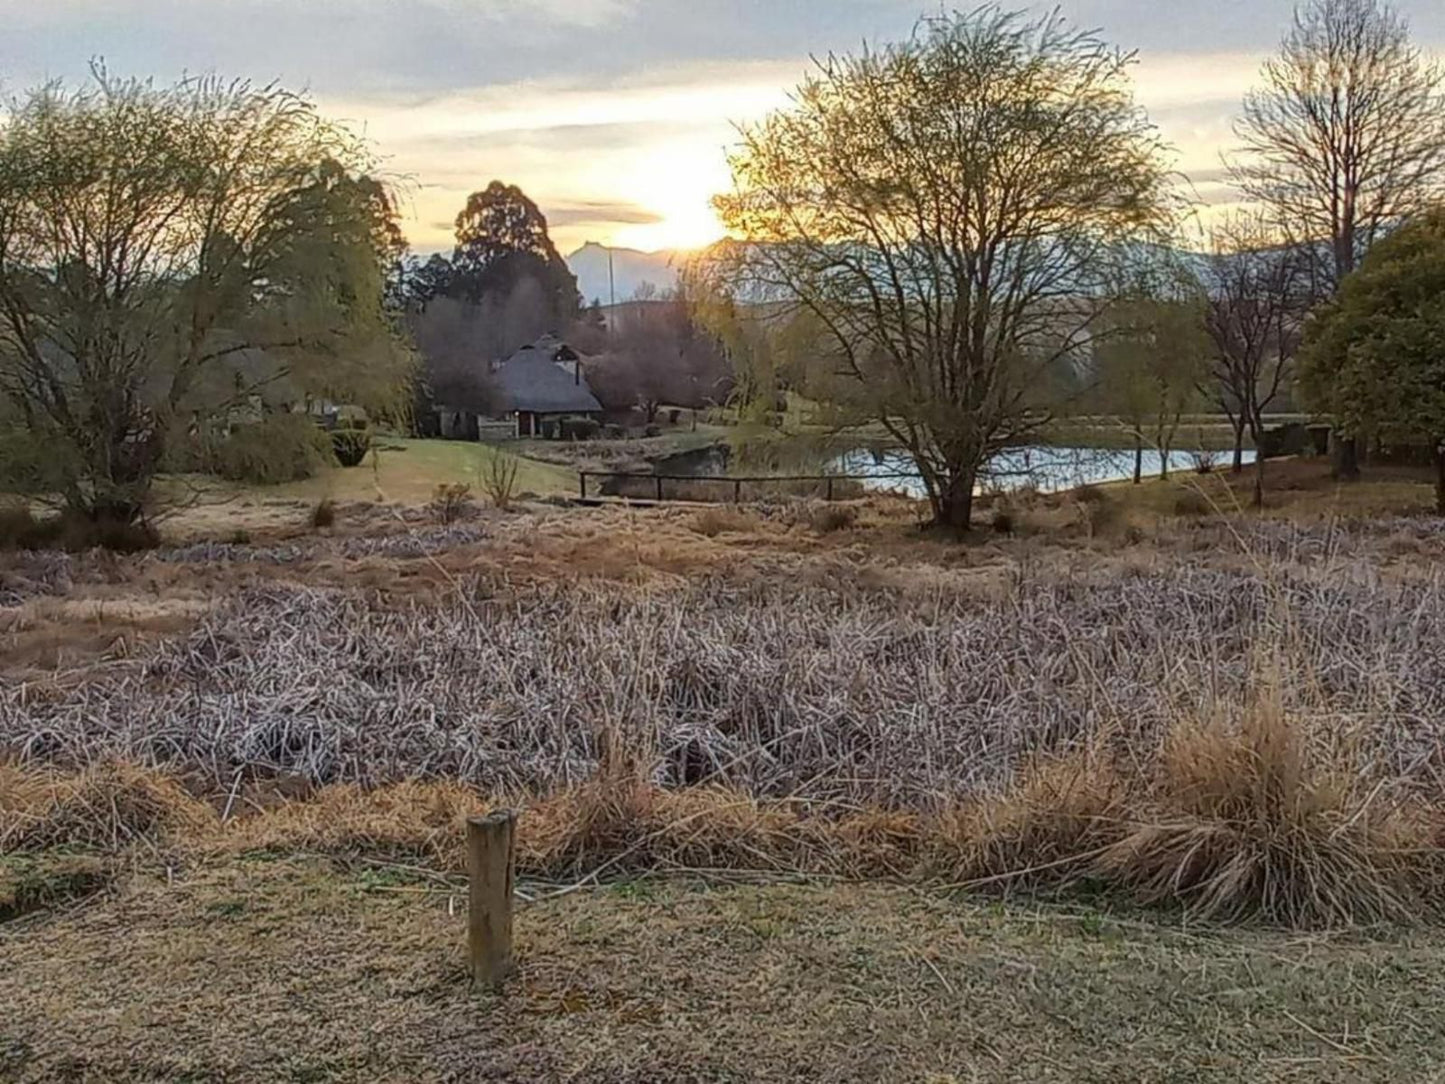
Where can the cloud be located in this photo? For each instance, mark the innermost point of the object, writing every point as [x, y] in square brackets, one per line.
[605, 111]
[602, 212]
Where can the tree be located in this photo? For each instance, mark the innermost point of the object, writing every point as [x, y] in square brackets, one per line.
[1149, 360]
[949, 210]
[502, 240]
[1375, 355]
[458, 340]
[425, 282]
[154, 238]
[661, 356]
[455, 340]
[1345, 139]
[1259, 292]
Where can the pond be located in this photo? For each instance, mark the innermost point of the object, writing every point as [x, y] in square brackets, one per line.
[1047, 467]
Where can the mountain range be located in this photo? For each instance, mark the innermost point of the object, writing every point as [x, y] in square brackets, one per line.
[630, 271]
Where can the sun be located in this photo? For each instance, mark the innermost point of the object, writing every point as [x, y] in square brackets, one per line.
[675, 182]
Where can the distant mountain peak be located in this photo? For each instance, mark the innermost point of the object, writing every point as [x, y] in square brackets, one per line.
[629, 271]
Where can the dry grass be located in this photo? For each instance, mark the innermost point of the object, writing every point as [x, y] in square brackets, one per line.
[268, 970]
[1227, 821]
[105, 807]
[907, 693]
[711, 522]
[1009, 714]
[323, 516]
[1044, 829]
[1247, 821]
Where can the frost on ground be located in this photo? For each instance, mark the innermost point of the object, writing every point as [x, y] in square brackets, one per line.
[833, 692]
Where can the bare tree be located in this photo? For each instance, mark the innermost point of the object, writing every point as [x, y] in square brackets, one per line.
[1259, 292]
[459, 340]
[660, 355]
[1345, 139]
[949, 210]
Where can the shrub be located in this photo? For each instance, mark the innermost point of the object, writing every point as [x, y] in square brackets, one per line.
[1090, 494]
[281, 448]
[350, 445]
[73, 531]
[450, 503]
[240, 537]
[1102, 514]
[499, 477]
[652, 430]
[1191, 504]
[19, 528]
[119, 536]
[833, 517]
[1003, 521]
[324, 514]
[580, 429]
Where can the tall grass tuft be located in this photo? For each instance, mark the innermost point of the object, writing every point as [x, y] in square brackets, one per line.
[1243, 820]
[105, 806]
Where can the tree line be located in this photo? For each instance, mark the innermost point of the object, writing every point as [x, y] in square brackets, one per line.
[505, 285]
[959, 238]
[187, 270]
[969, 234]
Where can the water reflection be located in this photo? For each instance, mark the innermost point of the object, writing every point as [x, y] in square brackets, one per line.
[1046, 467]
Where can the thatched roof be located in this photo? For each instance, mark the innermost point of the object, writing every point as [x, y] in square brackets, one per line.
[532, 380]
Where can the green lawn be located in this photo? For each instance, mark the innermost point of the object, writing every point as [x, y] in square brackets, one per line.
[406, 471]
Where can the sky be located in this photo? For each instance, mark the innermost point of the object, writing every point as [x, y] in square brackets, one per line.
[614, 115]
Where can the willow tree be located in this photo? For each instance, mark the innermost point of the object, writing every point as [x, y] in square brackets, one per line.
[1149, 359]
[165, 253]
[949, 211]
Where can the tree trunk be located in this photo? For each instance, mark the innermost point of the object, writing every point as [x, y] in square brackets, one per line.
[1258, 501]
[1239, 445]
[1346, 453]
[1138, 458]
[1440, 477]
[955, 502]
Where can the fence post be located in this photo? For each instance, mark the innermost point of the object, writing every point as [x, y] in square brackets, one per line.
[582, 480]
[489, 897]
[830, 488]
[737, 493]
[659, 489]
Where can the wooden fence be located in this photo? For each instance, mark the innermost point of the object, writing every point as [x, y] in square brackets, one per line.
[826, 485]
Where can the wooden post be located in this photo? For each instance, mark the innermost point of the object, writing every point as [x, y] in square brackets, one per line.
[659, 489]
[582, 479]
[737, 492]
[489, 898]
[830, 488]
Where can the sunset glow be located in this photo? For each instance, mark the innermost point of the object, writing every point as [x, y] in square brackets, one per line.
[614, 115]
